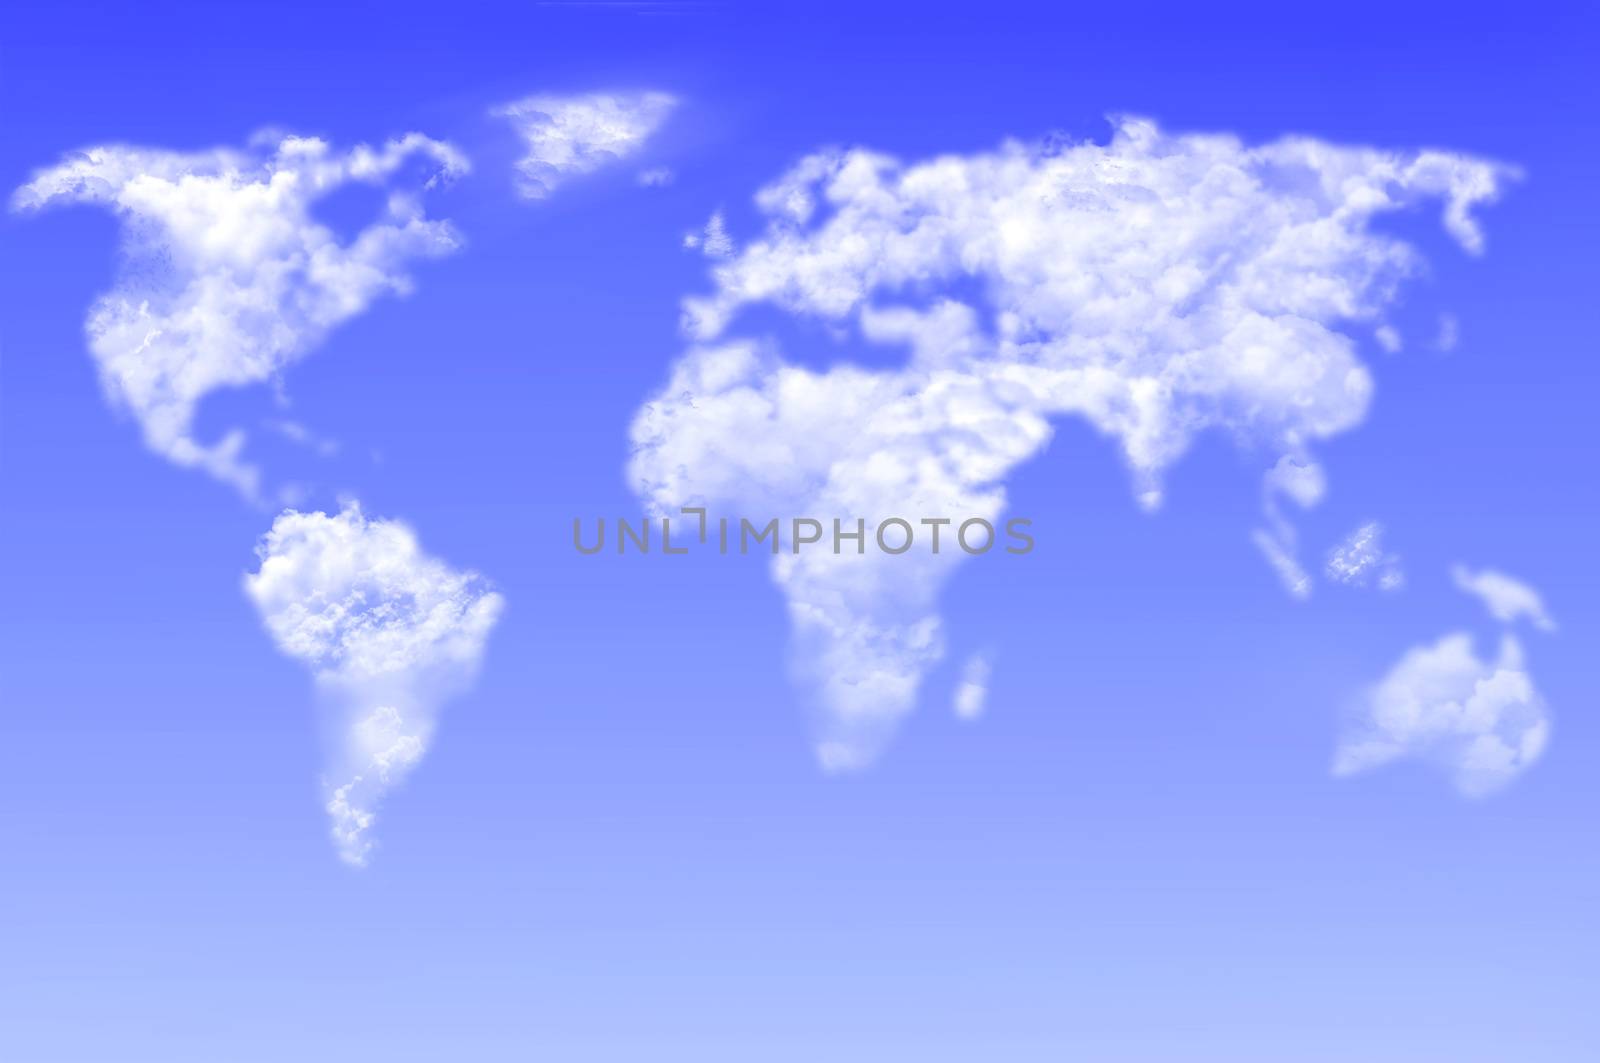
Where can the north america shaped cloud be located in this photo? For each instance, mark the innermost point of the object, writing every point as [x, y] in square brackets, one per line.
[1158, 286]
[227, 277]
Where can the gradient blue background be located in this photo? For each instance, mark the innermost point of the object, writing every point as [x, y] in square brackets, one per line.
[620, 847]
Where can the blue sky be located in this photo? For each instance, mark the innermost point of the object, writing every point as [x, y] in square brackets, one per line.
[620, 844]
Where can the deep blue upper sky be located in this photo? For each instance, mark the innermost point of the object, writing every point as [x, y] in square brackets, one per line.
[620, 847]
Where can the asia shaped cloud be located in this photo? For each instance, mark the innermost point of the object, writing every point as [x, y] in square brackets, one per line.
[1482, 722]
[1361, 556]
[389, 634]
[1158, 286]
[567, 136]
[1508, 600]
[227, 278]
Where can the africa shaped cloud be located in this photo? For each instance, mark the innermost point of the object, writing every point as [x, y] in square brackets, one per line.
[389, 633]
[1508, 600]
[1158, 286]
[1482, 722]
[567, 136]
[227, 278]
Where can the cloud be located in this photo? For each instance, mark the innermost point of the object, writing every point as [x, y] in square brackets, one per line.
[1157, 286]
[1507, 599]
[713, 241]
[1449, 333]
[227, 278]
[568, 136]
[972, 695]
[1279, 552]
[299, 434]
[1360, 556]
[1300, 480]
[1482, 722]
[656, 177]
[389, 634]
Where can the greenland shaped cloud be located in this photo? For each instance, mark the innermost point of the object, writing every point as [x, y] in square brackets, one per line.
[1158, 286]
[389, 633]
[227, 278]
[569, 136]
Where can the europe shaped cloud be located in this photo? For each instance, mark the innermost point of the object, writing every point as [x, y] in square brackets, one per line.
[1482, 722]
[227, 277]
[1158, 286]
[389, 633]
[568, 136]
[1360, 559]
[1508, 600]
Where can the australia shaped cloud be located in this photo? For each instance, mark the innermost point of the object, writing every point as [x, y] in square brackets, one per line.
[389, 634]
[1158, 286]
[568, 136]
[227, 277]
[1481, 721]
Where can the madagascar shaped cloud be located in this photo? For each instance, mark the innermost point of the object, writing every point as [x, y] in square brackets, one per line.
[1481, 722]
[226, 277]
[972, 693]
[1157, 286]
[388, 632]
[568, 136]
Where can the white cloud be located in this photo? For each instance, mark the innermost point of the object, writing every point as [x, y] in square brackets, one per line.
[1483, 722]
[972, 695]
[656, 177]
[1449, 333]
[568, 136]
[1388, 338]
[1507, 599]
[1279, 551]
[713, 241]
[1302, 481]
[1159, 287]
[1361, 556]
[227, 277]
[298, 433]
[389, 633]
